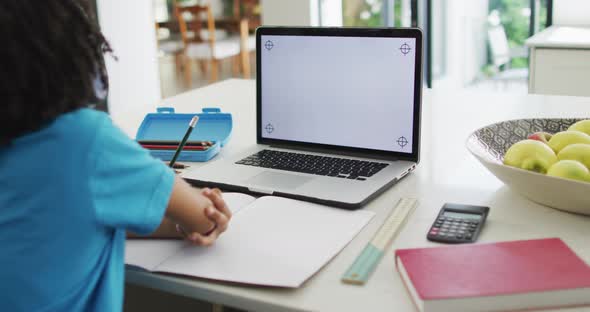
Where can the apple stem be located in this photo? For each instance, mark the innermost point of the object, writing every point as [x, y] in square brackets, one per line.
[534, 165]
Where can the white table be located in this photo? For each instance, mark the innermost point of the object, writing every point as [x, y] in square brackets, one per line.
[560, 61]
[446, 173]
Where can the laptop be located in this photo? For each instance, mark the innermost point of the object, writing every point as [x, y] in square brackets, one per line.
[338, 116]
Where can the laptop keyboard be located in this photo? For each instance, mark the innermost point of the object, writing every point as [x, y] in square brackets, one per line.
[314, 164]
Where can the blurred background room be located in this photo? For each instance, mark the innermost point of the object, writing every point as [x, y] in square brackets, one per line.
[166, 47]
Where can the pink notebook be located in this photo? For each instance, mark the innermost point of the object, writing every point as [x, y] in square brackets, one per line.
[516, 275]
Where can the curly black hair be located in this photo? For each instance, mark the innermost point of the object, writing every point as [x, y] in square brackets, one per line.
[52, 54]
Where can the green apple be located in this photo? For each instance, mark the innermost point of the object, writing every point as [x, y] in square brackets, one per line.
[530, 155]
[562, 139]
[579, 152]
[582, 126]
[570, 169]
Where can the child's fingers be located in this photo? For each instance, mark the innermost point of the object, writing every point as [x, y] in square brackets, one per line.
[221, 205]
[201, 240]
[219, 194]
[218, 218]
[216, 197]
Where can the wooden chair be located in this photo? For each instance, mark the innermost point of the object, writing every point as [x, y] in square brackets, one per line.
[250, 10]
[209, 48]
[171, 46]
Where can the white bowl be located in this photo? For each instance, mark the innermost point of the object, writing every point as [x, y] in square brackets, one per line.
[489, 144]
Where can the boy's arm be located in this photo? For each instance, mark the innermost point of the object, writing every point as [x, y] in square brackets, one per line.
[187, 208]
[195, 212]
[167, 229]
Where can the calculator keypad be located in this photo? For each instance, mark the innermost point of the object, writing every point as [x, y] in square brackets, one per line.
[454, 229]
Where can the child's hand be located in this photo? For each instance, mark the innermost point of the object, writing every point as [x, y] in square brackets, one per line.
[216, 198]
[218, 213]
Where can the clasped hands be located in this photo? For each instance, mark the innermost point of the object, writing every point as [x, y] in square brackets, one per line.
[217, 212]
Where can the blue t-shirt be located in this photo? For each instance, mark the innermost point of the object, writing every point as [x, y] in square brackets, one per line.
[68, 194]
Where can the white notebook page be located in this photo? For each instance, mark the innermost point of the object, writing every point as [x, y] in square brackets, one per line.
[273, 241]
[148, 253]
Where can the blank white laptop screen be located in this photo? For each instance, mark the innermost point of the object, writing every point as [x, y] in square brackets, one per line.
[345, 91]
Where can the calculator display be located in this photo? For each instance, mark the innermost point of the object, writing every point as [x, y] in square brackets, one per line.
[457, 223]
[470, 216]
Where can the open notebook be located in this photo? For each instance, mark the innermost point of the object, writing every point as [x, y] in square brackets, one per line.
[271, 241]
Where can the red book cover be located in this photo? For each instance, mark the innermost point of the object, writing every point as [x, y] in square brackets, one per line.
[494, 269]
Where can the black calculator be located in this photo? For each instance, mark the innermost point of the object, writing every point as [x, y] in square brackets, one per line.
[458, 223]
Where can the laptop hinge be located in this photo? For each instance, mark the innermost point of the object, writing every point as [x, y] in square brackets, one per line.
[334, 152]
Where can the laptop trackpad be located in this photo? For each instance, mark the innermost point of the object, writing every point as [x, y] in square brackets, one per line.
[274, 180]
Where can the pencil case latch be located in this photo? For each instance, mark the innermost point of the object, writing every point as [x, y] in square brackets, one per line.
[208, 110]
[167, 110]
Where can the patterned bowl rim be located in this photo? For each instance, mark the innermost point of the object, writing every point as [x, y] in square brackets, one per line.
[519, 119]
[472, 134]
[499, 163]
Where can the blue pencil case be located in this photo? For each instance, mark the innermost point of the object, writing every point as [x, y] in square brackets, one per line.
[166, 125]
